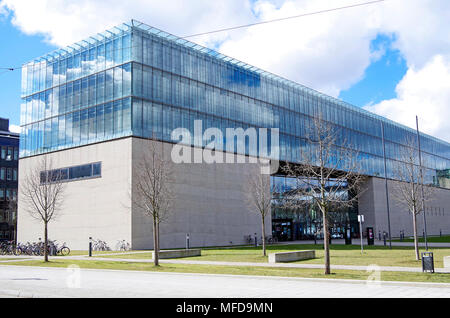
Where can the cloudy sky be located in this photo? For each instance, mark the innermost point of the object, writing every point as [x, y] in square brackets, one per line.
[392, 58]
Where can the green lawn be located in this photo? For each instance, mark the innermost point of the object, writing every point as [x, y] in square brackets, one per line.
[430, 239]
[340, 255]
[240, 270]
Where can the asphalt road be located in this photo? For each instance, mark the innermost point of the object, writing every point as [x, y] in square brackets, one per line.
[23, 281]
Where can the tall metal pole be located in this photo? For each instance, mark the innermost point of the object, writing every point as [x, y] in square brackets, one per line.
[421, 182]
[386, 186]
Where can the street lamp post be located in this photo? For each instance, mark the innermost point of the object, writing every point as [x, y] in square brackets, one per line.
[361, 220]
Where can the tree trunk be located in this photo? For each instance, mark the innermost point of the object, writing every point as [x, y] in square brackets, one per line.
[157, 237]
[416, 241]
[45, 242]
[326, 245]
[155, 242]
[264, 235]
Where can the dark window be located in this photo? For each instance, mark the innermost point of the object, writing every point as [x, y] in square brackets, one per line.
[2, 174]
[9, 174]
[72, 173]
[9, 155]
[97, 169]
[80, 172]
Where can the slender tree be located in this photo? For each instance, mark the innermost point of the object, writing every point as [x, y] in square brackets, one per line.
[326, 176]
[410, 191]
[154, 196]
[42, 190]
[259, 199]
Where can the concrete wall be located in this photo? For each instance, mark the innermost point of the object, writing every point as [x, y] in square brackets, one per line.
[210, 203]
[99, 207]
[372, 205]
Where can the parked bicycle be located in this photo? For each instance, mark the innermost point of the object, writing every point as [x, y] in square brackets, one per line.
[99, 245]
[122, 245]
[35, 248]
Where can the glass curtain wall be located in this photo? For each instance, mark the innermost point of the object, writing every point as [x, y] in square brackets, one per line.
[141, 81]
[305, 220]
[77, 95]
[174, 84]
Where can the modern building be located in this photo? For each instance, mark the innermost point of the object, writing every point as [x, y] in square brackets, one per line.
[94, 106]
[9, 163]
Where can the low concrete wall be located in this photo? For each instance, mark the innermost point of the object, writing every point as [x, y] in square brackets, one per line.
[447, 262]
[178, 253]
[291, 256]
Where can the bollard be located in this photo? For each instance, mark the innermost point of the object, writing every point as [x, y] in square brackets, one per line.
[187, 241]
[256, 241]
[90, 246]
[440, 233]
[384, 238]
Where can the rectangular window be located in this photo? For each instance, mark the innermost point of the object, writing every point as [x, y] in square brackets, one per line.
[2, 173]
[9, 154]
[80, 172]
[3, 153]
[14, 174]
[97, 169]
[16, 153]
[9, 174]
[2, 194]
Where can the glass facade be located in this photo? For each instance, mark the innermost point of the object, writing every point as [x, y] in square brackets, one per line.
[305, 220]
[138, 80]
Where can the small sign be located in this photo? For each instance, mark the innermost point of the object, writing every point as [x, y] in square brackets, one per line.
[361, 218]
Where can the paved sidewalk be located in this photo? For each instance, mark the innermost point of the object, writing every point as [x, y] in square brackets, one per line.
[25, 281]
[284, 265]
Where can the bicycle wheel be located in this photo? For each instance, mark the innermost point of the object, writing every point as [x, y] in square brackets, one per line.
[65, 251]
[17, 251]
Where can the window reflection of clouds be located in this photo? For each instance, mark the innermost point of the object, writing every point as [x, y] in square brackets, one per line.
[171, 78]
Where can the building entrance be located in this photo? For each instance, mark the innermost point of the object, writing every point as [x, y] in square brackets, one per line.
[282, 229]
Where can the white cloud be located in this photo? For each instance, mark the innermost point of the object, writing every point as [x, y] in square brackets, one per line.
[328, 52]
[423, 92]
[68, 21]
[14, 129]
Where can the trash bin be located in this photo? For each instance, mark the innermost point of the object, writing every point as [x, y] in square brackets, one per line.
[370, 236]
[427, 262]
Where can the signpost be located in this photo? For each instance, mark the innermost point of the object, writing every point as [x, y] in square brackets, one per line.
[361, 220]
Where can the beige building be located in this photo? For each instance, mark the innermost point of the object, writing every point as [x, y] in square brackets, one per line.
[210, 201]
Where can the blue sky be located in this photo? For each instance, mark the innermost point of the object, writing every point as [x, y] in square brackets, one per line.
[380, 78]
[16, 49]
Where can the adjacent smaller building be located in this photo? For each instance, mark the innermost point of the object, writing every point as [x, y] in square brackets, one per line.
[9, 163]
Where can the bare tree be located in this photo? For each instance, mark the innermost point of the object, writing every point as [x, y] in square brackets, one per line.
[259, 199]
[154, 196]
[328, 173]
[410, 192]
[42, 190]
